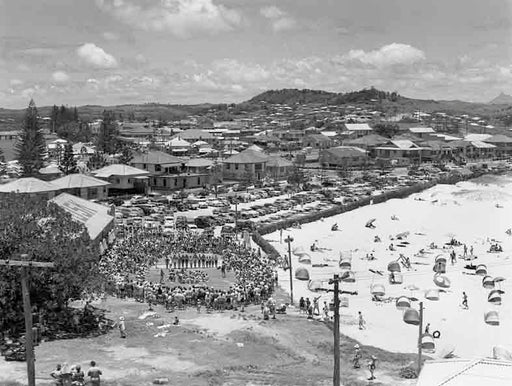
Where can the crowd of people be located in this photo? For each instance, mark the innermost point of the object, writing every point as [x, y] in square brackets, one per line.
[127, 263]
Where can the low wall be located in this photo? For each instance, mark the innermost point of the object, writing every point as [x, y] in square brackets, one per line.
[342, 208]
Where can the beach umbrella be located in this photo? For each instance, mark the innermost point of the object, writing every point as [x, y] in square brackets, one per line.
[440, 258]
[442, 281]
[488, 282]
[369, 223]
[427, 342]
[301, 274]
[492, 318]
[348, 277]
[432, 294]
[411, 316]
[345, 264]
[315, 285]
[305, 259]
[378, 290]
[299, 251]
[481, 270]
[394, 266]
[494, 297]
[403, 303]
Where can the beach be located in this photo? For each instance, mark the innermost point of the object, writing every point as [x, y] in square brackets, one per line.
[473, 212]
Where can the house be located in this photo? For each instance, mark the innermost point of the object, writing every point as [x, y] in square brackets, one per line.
[278, 168]
[194, 135]
[178, 146]
[316, 141]
[435, 150]
[465, 372]
[7, 141]
[249, 163]
[198, 165]
[398, 149]
[97, 219]
[502, 142]
[483, 150]
[83, 186]
[422, 132]
[124, 178]
[357, 130]
[157, 162]
[343, 156]
[167, 182]
[367, 142]
[31, 186]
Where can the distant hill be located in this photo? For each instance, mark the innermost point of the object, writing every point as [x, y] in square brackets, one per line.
[502, 99]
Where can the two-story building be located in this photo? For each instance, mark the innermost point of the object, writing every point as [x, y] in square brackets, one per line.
[124, 179]
[249, 163]
[84, 186]
[317, 141]
[157, 162]
[356, 130]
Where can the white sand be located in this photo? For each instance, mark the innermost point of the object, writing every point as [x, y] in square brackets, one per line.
[466, 211]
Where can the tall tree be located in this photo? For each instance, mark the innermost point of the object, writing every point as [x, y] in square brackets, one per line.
[44, 231]
[75, 115]
[31, 147]
[97, 161]
[126, 155]
[68, 162]
[107, 140]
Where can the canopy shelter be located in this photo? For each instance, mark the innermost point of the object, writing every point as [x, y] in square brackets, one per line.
[396, 278]
[301, 274]
[427, 342]
[403, 302]
[411, 316]
[348, 277]
[440, 266]
[315, 285]
[494, 297]
[378, 290]
[345, 264]
[394, 266]
[432, 294]
[481, 270]
[305, 259]
[488, 282]
[492, 318]
[442, 281]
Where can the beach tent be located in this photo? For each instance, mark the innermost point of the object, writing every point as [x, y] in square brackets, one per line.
[442, 281]
[412, 316]
[345, 264]
[369, 223]
[301, 274]
[432, 294]
[498, 280]
[394, 266]
[427, 342]
[299, 251]
[492, 318]
[488, 282]
[378, 290]
[403, 303]
[440, 258]
[315, 285]
[494, 297]
[348, 277]
[440, 265]
[305, 259]
[481, 269]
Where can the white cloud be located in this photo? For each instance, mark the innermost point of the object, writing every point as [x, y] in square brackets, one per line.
[60, 77]
[391, 54]
[182, 18]
[96, 56]
[15, 82]
[235, 71]
[280, 20]
[110, 36]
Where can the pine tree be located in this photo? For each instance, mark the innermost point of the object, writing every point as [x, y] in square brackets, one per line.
[31, 147]
[68, 163]
[97, 161]
[75, 115]
[107, 141]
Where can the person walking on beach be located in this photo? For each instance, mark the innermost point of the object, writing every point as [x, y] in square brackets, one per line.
[94, 374]
[471, 251]
[453, 257]
[465, 250]
[316, 306]
[372, 365]
[465, 300]
[326, 311]
[427, 328]
[302, 305]
[362, 322]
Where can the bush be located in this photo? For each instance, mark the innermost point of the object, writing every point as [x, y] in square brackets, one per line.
[408, 372]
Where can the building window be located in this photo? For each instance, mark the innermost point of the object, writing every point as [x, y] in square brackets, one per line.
[144, 166]
[154, 181]
[158, 168]
[247, 167]
[198, 180]
[118, 181]
[228, 166]
[92, 193]
[165, 182]
[236, 166]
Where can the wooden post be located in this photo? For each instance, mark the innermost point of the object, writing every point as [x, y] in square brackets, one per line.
[27, 310]
[419, 337]
[337, 373]
[289, 240]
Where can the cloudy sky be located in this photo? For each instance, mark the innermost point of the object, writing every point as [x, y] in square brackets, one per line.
[192, 51]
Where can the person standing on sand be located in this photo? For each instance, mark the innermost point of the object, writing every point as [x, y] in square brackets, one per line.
[465, 300]
[326, 311]
[471, 251]
[94, 374]
[316, 306]
[357, 357]
[427, 328]
[465, 250]
[362, 322]
[122, 327]
[372, 365]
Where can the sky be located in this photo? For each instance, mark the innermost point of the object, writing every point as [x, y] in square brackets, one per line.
[106, 52]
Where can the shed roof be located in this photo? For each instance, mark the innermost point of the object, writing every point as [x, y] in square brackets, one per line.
[78, 181]
[155, 157]
[248, 156]
[28, 185]
[346, 151]
[119, 170]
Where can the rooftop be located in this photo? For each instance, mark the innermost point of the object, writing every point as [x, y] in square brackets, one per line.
[28, 185]
[155, 157]
[248, 156]
[119, 170]
[72, 181]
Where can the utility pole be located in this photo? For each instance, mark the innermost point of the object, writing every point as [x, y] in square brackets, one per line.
[419, 337]
[337, 374]
[27, 310]
[289, 240]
